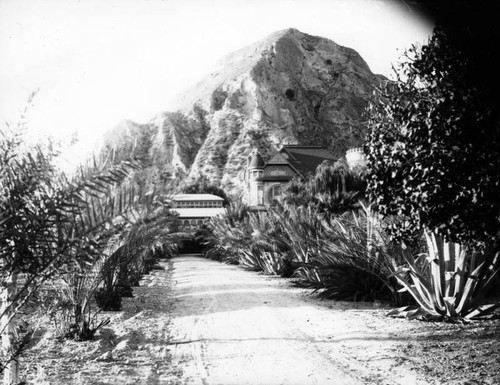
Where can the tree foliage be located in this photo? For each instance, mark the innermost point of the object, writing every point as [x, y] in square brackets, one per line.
[203, 186]
[434, 146]
[333, 189]
[49, 223]
[434, 164]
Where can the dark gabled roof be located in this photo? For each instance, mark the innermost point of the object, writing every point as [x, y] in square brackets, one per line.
[277, 159]
[305, 159]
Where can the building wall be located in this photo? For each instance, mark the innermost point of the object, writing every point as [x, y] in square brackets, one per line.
[196, 204]
[259, 189]
[278, 171]
[269, 196]
[204, 207]
[192, 223]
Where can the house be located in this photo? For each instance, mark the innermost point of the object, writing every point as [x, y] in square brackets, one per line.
[195, 209]
[266, 180]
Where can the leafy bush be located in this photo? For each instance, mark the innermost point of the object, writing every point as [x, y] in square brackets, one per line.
[433, 161]
[61, 313]
[250, 261]
[301, 229]
[269, 262]
[333, 189]
[341, 249]
[352, 284]
[49, 223]
[230, 234]
[75, 291]
[135, 253]
[344, 257]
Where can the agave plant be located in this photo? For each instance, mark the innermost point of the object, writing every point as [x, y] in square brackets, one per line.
[250, 261]
[448, 282]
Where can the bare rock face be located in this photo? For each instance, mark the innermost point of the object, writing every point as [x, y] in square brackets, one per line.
[290, 88]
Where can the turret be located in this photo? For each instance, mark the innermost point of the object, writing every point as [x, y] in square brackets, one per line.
[355, 158]
[255, 172]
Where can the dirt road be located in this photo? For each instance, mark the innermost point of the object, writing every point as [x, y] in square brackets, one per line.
[196, 321]
[232, 327]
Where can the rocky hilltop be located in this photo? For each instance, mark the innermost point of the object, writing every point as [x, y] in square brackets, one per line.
[290, 88]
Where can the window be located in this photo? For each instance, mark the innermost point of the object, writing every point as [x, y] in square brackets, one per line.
[275, 193]
[260, 195]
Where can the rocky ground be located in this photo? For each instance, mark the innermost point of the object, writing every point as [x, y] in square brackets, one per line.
[202, 322]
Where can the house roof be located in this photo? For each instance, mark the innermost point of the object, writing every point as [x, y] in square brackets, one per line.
[202, 212]
[278, 159]
[196, 197]
[305, 159]
[256, 161]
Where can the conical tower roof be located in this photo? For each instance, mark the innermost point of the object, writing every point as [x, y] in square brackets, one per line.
[256, 161]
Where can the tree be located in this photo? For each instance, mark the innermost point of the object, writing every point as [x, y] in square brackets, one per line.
[42, 225]
[203, 186]
[434, 161]
[333, 189]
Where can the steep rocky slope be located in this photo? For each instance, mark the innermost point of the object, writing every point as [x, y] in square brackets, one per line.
[290, 88]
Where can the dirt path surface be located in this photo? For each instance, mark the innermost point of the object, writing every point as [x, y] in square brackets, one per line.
[196, 321]
[132, 350]
[232, 327]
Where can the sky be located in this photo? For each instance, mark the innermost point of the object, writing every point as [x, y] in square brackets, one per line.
[97, 62]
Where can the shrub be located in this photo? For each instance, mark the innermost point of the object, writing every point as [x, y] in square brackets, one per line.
[333, 189]
[433, 161]
[135, 252]
[354, 245]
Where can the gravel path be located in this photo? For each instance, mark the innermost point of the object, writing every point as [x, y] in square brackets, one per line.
[231, 326]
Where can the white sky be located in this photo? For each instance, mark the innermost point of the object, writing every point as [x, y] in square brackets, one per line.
[98, 62]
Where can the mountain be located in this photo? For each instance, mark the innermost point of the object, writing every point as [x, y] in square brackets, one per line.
[289, 88]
